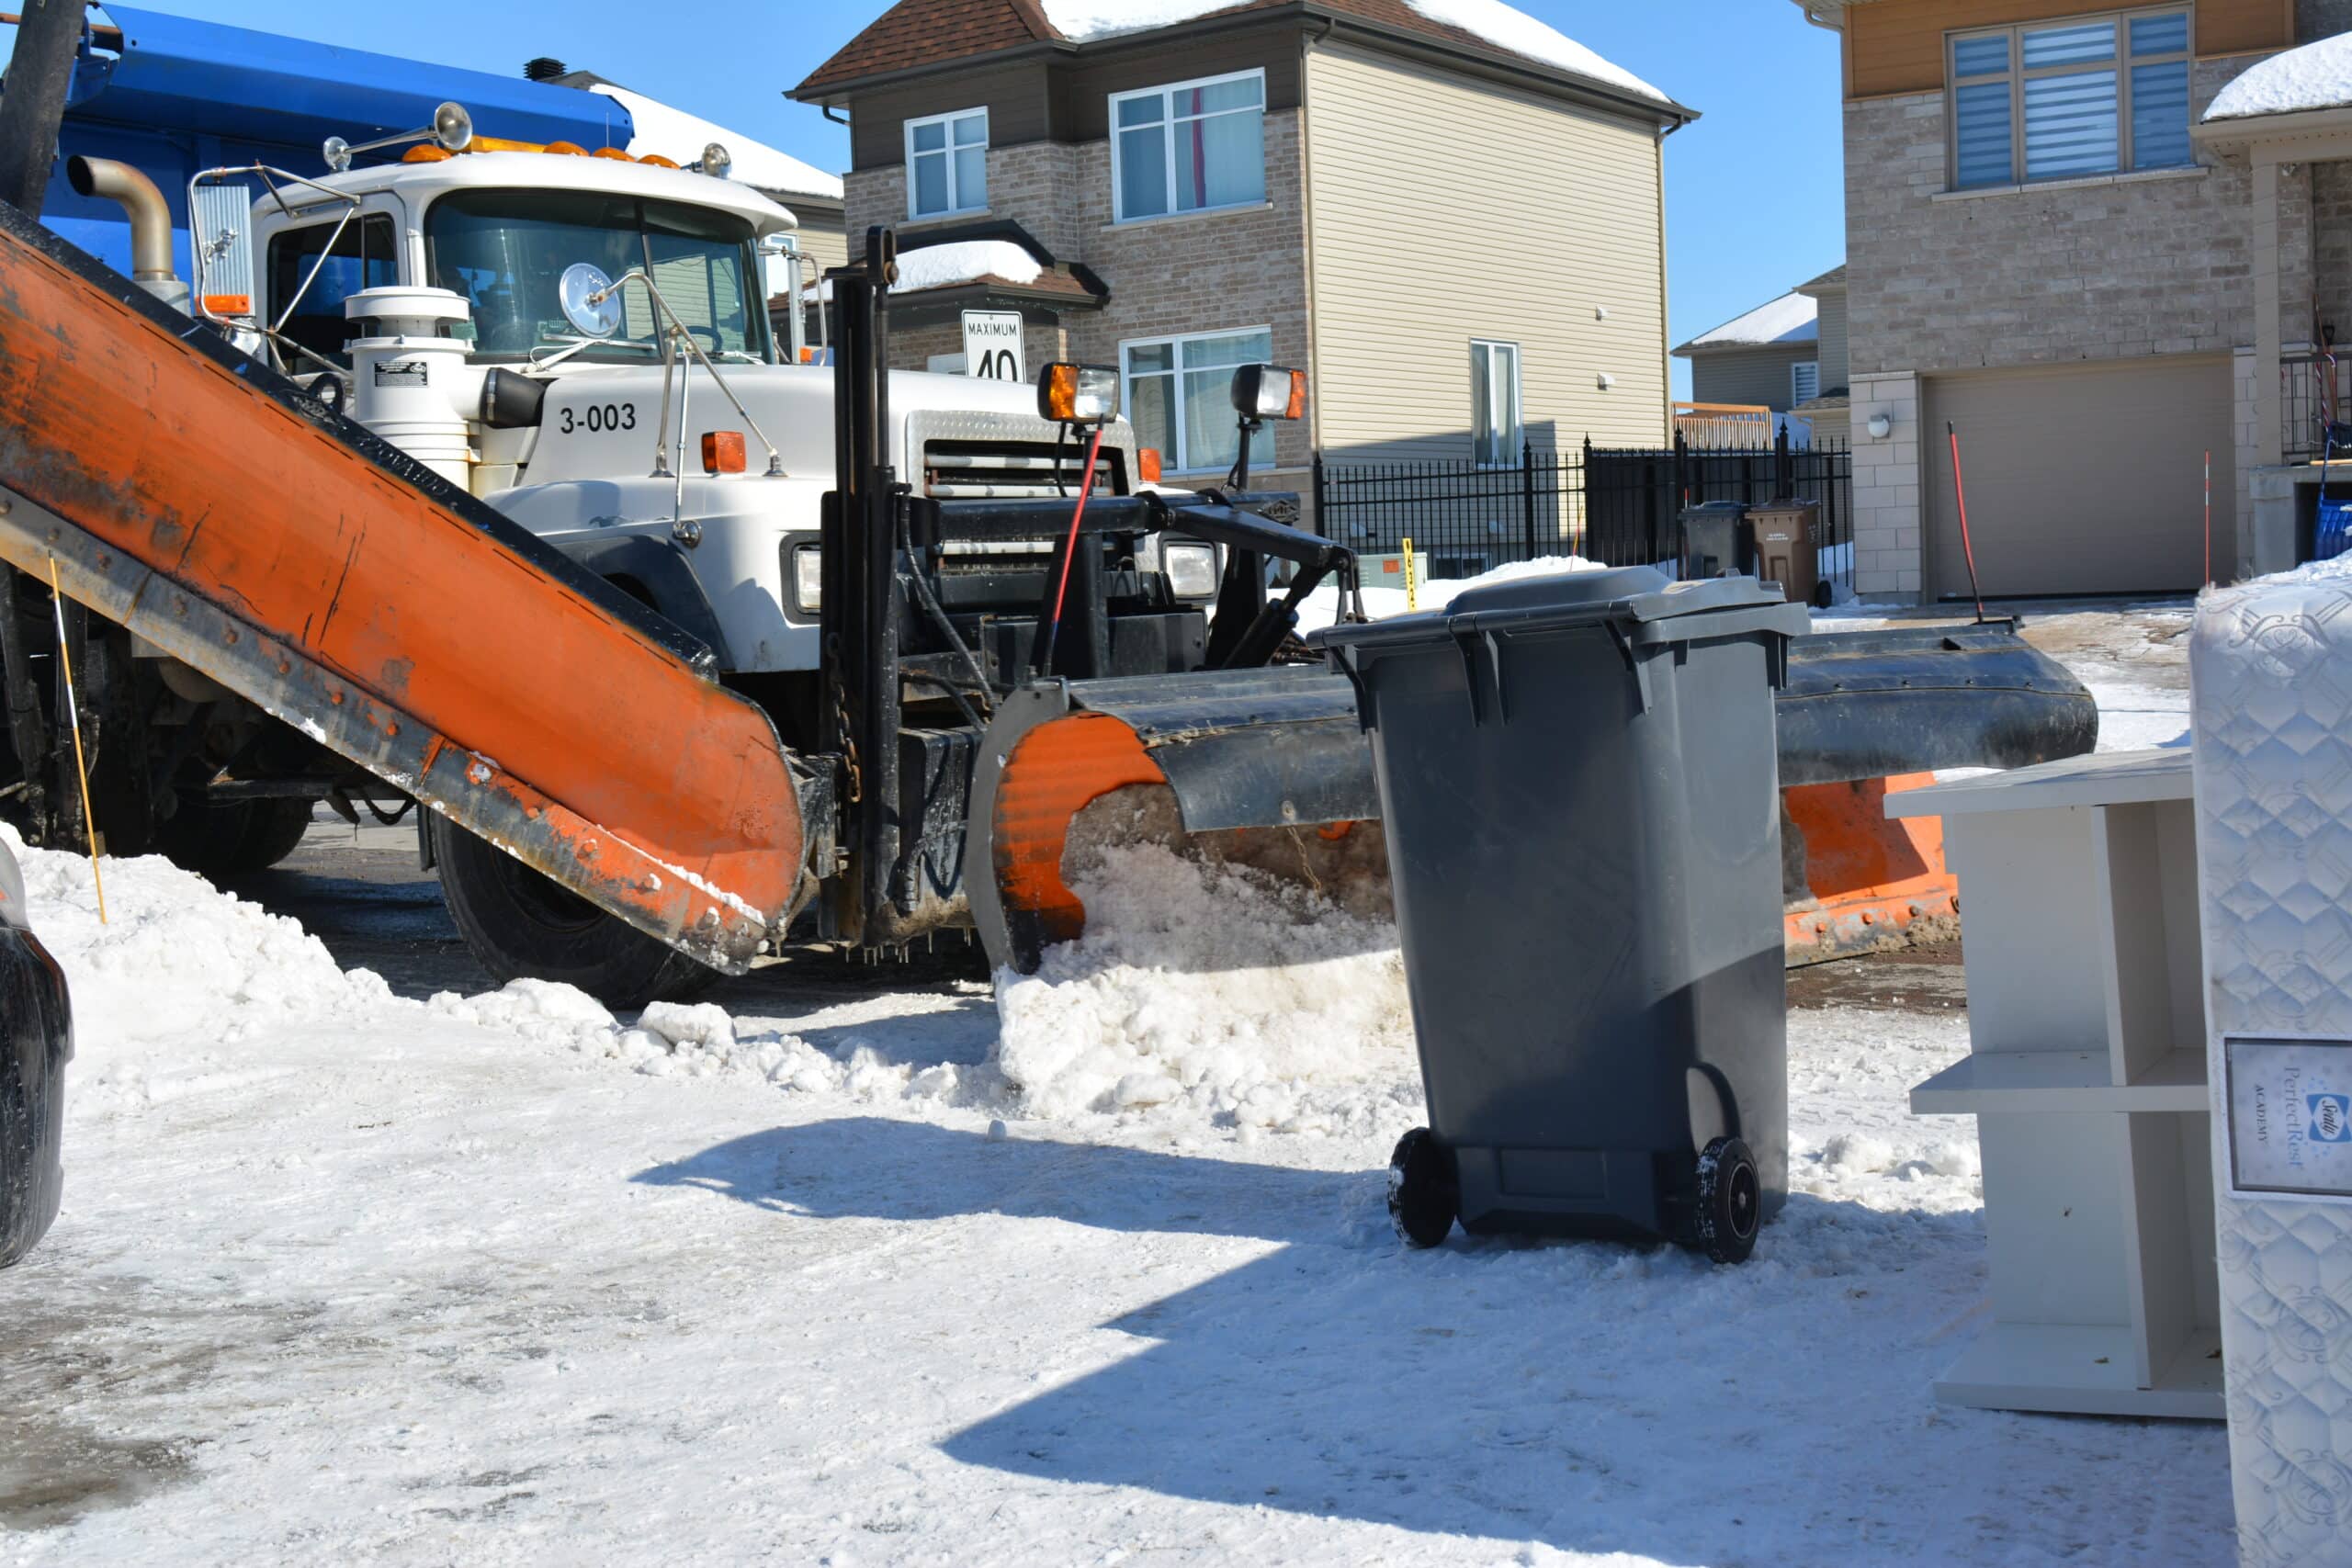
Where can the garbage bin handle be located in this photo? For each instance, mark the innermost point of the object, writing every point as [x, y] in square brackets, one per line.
[1464, 643]
[1344, 658]
[1636, 665]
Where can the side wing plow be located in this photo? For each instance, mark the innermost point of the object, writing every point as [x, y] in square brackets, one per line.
[203, 501]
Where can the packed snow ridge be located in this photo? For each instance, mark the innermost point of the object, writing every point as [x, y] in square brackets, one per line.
[1506, 28]
[2316, 76]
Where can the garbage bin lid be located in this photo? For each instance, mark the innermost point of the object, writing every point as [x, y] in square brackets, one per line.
[1633, 594]
[1717, 508]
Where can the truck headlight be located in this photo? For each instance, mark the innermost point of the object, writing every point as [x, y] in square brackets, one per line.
[808, 579]
[1191, 569]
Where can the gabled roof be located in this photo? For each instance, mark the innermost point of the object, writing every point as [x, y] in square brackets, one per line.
[914, 35]
[1793, 321]
[1834, 279]
[2316, 76]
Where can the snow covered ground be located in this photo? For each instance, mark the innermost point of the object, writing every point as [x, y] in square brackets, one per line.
[861, 1274]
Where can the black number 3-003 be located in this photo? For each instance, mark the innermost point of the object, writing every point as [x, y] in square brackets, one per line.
[600, 417]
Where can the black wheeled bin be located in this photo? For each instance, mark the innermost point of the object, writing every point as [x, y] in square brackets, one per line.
[1579, 783]
[1715, 540]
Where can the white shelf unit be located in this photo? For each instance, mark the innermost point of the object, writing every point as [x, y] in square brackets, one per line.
[2087, 1078]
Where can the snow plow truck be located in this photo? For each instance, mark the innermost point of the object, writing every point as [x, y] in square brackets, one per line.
[690, 651]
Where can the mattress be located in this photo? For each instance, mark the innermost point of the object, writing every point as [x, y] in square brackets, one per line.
[2271, 671]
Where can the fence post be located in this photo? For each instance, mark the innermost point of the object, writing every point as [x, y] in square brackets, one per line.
[1783, 477]
[1527, 490]
[1584, 505]
[1318, 487]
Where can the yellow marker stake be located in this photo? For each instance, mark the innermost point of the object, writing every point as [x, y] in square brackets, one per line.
[1412, 589]
[73, 718]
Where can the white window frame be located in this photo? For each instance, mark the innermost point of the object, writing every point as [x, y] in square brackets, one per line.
[1167, 94]
[1797, 394]
[1174, 462]
[2123, 62]
[956, 207]
[1518, 445]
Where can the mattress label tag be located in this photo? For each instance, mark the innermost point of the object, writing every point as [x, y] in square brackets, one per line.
[2289, 1107]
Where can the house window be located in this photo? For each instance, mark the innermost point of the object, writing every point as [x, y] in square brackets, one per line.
[1179, 393]
[1189, 148]
[2091, 95]
[1804, 382]
[948, 163]
[1496, 435]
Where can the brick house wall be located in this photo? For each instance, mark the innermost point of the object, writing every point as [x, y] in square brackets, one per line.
[1189, 273]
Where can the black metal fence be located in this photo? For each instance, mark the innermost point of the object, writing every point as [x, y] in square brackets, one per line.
[1621, 507]
[2310, 398]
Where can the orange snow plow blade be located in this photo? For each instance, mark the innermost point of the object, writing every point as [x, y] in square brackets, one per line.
[200, 499]
[1868, 883]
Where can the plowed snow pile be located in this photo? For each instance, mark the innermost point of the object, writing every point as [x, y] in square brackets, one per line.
[1213, 989]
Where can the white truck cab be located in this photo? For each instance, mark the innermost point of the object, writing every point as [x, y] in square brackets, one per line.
[426, 294]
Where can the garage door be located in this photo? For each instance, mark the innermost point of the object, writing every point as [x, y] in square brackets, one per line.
[2081, 478]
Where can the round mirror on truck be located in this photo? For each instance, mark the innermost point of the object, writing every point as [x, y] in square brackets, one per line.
[589, 302]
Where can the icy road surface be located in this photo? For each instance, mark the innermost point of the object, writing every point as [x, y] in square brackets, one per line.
[834, 1271]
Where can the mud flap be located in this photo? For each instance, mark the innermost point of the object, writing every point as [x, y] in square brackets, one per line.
[1266, 768]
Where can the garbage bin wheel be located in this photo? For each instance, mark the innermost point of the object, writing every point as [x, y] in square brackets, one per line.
[1824, 593]
[1423, 1191]
[1731, 1200]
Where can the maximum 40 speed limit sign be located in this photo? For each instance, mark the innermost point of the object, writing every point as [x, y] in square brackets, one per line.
[993, 345]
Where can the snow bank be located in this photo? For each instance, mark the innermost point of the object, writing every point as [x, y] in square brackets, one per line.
[1210, 991]
[2316, 76]
[175, 958]
[1321, 607]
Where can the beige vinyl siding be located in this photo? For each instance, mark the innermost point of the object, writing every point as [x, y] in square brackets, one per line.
[1753, 376]
[1833, 340]
[1442, 209]
[820, 235]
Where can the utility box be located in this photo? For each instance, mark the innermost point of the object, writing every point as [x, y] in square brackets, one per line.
[1579, 777]
[1786, 547]
[1714, 542]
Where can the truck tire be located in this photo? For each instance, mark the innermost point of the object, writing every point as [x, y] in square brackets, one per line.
[233, 840]
[520, 925]
[36, 1042]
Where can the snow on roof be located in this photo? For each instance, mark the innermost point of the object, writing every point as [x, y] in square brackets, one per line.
[2316, 76]
[1519, 33]
[966, 261]
[681, 137]
[1083, 20]
[1513, 31]
[1791, 318]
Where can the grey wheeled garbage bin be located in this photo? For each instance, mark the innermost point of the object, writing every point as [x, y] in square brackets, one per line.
[1715, 540]
[1579, 783]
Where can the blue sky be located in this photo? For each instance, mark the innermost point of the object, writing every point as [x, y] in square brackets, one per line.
[1755, 190]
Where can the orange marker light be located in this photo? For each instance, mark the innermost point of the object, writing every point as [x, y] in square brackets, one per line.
[1147, 461]
[425, 152]
[229, 304]
[570, 149]
[722, 452]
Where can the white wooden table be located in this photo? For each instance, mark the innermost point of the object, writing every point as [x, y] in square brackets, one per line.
[2086, 1076]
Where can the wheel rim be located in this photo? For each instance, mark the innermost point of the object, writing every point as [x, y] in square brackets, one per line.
[1743, 1199]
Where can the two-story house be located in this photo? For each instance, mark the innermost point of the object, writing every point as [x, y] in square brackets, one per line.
[1449, 214]
[1786, 355]
[2048, 263]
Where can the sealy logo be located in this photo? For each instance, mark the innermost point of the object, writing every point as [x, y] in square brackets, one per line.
[2330, 1117]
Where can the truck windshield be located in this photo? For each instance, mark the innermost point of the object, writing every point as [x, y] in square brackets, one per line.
[506, 250]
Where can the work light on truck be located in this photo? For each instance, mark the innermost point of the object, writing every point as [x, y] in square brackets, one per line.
[1191, 568]
[1078, 394]
[1268, 392]
[808, 578]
